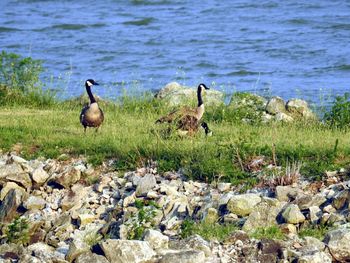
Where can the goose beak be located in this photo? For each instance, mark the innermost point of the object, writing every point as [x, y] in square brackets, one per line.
[96, 83]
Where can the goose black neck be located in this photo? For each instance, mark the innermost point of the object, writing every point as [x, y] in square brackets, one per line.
[199, 96]
[88, 90]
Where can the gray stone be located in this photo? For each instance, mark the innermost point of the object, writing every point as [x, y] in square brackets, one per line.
[34, 203]
[287, 193]
[21, 178]
[244, 204]
[293, 215]
[45, 252]
[145, 184]
[341, 199]
[338, 242]
[175, 94]
[298, 107]
[306, 201]
[276, 105]
[156, 239]
[126, 251]
[40, 176]
[187, 256]
[315, 257]
[10, 169]
[9, 206]
[315, 214]
[68, 177]
[89, 257]
[314, 244]
[263, 215]
[7, 187]
[283, 117]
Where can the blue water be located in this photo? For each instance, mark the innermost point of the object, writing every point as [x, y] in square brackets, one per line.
[286, 48]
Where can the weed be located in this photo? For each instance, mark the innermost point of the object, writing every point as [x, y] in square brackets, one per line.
[92, 238]
[273, 232]
[142, 220]
[17, 231]
[339, 114]
[208, 231]
[317, 231]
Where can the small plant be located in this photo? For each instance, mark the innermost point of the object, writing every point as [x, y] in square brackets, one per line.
[316, 231]
[20, 82]
[92, 238]
[17, 231]
[339, 114]
[18, 72]
[142, 220]
[276, 177]
[206, 230]
[273, 232]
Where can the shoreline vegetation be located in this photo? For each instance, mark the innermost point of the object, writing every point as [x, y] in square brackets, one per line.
[35, 123]
[270, 185]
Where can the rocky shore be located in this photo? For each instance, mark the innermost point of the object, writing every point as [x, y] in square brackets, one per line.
[65, 210]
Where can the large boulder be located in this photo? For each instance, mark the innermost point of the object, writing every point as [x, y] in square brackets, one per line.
[145, 184]
[299, 108]
[176, 94]
[156, 239]
[68, 177]
[8, 208]
[7, 187]
[34, 203]
[338, 242]
[276, 105]
[39, 175]
[183, 256]
[315, 257]
[244, 204]
[89, 257]
[263, 215]
[126, 251]
[292, 214]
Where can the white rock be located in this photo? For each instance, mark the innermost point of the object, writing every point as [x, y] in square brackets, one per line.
[34, 203]
[127, 251]
[156, 239]
[39, 175]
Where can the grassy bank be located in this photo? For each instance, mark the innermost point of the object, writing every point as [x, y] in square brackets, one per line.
[39, 125]
[130, 136]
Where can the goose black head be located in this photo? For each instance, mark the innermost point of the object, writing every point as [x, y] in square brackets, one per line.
[90, 83]
[202, 87]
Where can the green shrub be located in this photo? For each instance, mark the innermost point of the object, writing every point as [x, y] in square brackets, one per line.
[17, 72]
[17, 231]
[20, 82]
[339, 114]
[142, 220]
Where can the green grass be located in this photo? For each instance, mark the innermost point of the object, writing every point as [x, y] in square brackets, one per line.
[273, 232]
[208, 231]
[130, 136]
[316, 231]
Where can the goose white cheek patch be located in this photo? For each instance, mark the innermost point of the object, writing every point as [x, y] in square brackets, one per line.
[89, 83]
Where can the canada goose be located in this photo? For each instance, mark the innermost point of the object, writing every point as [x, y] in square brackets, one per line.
[189, 125]
[184, 111]
[91, 115]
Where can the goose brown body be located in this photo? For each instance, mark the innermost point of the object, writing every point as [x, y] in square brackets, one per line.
[91, 115]
[189, 125]
[186, 119]
[183, 112]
